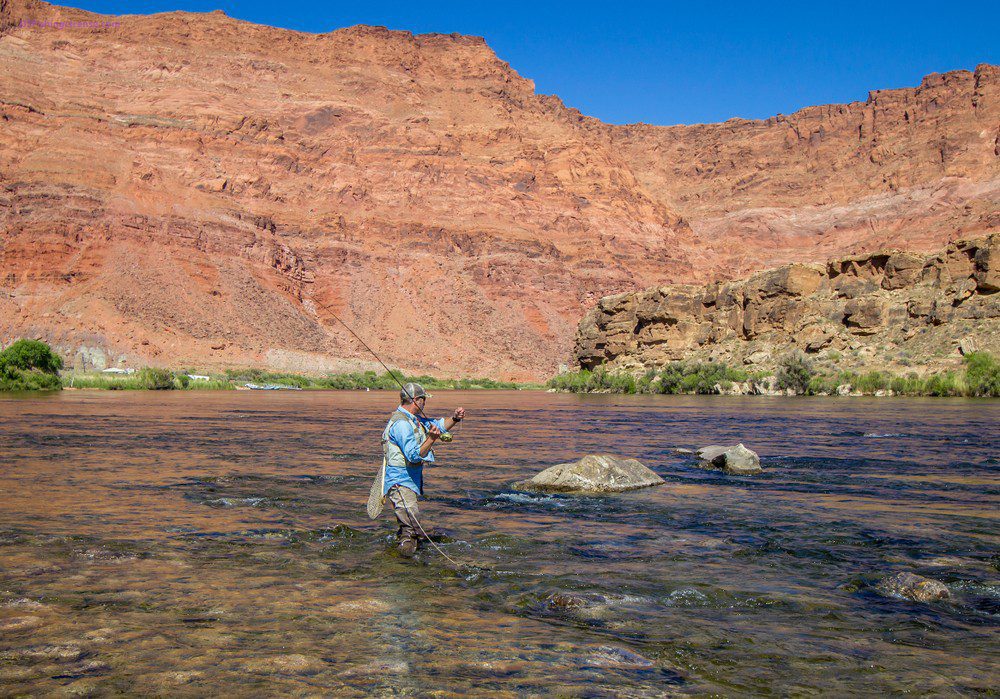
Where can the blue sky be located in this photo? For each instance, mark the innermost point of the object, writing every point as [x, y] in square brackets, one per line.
[670, 63]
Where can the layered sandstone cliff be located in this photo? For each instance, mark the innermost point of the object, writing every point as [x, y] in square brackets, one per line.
[189, 189]
[886, 310]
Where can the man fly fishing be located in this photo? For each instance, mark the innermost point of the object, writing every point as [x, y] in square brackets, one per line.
[407, 444]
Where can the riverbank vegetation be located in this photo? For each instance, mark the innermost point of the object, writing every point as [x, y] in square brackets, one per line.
[29, 365]
[795, 374]
[160, 379]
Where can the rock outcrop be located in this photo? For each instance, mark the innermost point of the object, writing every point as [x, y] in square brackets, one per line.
[188, 189]
[594, 473]
[736, 461]
[885, 309]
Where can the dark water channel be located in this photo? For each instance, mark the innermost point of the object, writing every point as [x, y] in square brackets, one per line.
[216, 543]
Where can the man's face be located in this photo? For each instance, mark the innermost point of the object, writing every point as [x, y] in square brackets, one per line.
[420, 401]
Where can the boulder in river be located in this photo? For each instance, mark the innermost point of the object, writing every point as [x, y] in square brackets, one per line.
[594, 473]
[736, 461]
[913, 587]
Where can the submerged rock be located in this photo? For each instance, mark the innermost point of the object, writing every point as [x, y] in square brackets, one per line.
[20, 623]
[594, 473]
[66, 653]
[378, 668]
[615, 656]
[736, 461]
[293, 664]
[360, 608]
[913, 587]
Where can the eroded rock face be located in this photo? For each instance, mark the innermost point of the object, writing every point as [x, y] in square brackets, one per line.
[913, 587]
[736, 461]
[882, 307]
[190, 189]
[594, 473]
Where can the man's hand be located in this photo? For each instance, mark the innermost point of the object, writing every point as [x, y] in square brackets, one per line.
[459, 415]
[433, 432]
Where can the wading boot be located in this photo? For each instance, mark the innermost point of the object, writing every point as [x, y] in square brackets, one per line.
[408, 546]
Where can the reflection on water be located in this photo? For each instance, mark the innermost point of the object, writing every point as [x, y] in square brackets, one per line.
[193, 543]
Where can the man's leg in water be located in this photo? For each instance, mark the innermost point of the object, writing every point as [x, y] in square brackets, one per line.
[404, 505]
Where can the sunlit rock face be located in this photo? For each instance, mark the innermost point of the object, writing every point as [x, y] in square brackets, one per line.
[190, 189]
[882, 310]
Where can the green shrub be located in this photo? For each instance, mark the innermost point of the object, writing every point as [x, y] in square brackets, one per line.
[599, 380]
[153, 379]
[795, 371]
[982, 374]
[12, 379]
[871, 382]
[29, 365]
[946, 384]
[911, 385]
[31, 354]
[700, 378]
[823, 384]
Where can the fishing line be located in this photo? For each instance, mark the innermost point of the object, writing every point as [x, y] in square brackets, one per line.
[416, 521]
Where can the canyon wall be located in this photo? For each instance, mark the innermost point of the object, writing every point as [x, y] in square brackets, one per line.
[188, 189]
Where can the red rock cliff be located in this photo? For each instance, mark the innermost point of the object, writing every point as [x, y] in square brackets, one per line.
[189, 189]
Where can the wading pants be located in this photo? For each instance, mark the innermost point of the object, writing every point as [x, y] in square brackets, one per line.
[404, 503]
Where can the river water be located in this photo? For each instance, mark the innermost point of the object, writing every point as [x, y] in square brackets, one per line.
[192, 544]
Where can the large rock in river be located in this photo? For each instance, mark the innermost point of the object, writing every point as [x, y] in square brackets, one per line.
[736, 461]
[594, 473]
[913, 587]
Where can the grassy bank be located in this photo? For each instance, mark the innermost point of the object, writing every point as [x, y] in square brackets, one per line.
[980, 377]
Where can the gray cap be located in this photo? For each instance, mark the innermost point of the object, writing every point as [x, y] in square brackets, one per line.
[411, 392]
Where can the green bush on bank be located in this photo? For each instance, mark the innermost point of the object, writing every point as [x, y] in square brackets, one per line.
[699, 378]
[795, 372]
[29, 365]
[982, 375]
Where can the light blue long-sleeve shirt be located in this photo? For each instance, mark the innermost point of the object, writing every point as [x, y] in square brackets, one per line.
[401, 434]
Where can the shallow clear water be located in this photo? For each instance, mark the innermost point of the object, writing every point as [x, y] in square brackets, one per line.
[198, 543]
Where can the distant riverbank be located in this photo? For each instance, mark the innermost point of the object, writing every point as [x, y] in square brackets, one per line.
[31, 365]
[795, 375]
[238, 379]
